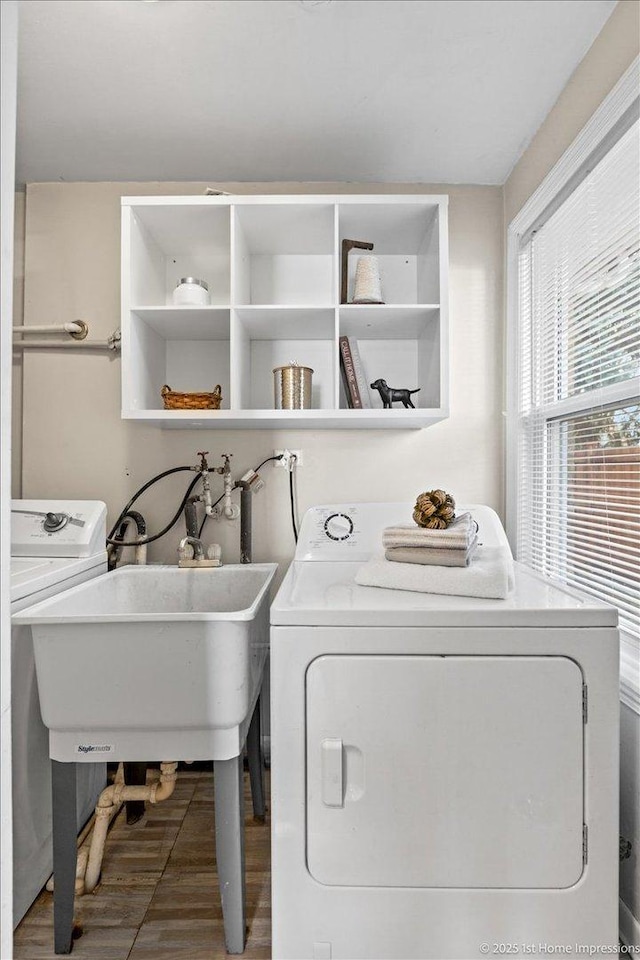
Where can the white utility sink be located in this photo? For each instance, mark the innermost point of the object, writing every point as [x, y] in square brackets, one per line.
[152, 662]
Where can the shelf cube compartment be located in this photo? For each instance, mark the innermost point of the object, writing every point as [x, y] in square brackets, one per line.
[400, 345]
[265, 338]
[284, 254]
[187, 348]
[406, 242]
[168, 243]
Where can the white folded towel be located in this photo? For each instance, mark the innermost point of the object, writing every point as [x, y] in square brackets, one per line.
[489, 575]
[458, 535]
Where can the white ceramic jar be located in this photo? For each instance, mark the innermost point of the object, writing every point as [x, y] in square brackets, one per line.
[191, 292]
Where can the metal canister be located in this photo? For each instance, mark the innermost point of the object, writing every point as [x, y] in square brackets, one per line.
[292, 387]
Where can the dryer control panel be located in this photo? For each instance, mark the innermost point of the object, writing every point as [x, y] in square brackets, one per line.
[347, 531]
[57, 528]
[353, 531]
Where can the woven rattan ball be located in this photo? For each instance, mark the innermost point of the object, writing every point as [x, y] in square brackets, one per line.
[434, 510]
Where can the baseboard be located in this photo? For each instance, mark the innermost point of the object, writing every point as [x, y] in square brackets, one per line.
[629, 926]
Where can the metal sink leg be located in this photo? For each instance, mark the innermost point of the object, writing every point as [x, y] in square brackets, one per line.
[65, 830]
[254, 757]
[229, 814]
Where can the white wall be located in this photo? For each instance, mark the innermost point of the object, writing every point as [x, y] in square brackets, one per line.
[8, 86]
[615, 48]
[76, 445]
[18, 312]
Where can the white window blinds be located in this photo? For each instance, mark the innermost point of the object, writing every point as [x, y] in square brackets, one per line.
[579, 410]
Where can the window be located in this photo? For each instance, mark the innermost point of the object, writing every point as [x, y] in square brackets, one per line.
[576, 426]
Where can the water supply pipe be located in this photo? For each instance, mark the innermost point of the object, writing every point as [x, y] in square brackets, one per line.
[110, 344]
[245, 520]
[77, 328]
[205, 496]
[228, 509]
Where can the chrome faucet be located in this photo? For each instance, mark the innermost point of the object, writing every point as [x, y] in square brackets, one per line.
[198, 548]
[199, 558]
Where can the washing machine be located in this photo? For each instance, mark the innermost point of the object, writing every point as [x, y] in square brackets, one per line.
[444, 769]
[55, 544]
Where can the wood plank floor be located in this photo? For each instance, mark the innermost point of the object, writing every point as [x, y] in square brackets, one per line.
[158, 898]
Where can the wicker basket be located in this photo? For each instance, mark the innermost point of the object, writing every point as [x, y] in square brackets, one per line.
[191, 401]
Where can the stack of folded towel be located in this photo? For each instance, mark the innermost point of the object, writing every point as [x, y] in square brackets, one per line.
[452, 547]
[449, 561]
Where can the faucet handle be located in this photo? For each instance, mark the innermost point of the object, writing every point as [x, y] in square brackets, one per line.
[214, 552]
[203, 459]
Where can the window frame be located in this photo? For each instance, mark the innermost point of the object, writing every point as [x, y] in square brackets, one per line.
[610, 121]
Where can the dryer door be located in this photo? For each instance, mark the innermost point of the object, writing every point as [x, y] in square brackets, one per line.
[445, 771]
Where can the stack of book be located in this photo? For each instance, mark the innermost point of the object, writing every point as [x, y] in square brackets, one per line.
[355, 388]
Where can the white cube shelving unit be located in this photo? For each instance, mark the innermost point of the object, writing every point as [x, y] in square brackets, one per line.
[273, 266]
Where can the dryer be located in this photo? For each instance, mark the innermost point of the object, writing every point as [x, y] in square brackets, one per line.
[55, 544]
[444, 769]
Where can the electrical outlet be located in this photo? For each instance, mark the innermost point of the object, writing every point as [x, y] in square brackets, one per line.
[286, 458]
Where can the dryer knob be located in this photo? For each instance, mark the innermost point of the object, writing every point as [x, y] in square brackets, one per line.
[338, 526]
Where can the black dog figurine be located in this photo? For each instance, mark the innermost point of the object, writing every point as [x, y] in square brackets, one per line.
[391, 395]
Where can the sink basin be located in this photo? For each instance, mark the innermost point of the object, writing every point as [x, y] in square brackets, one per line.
[152, 662]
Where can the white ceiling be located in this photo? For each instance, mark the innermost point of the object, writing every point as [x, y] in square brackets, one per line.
[386, 90]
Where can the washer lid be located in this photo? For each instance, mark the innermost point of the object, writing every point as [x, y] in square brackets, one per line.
[30, 575]
[326, 594]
